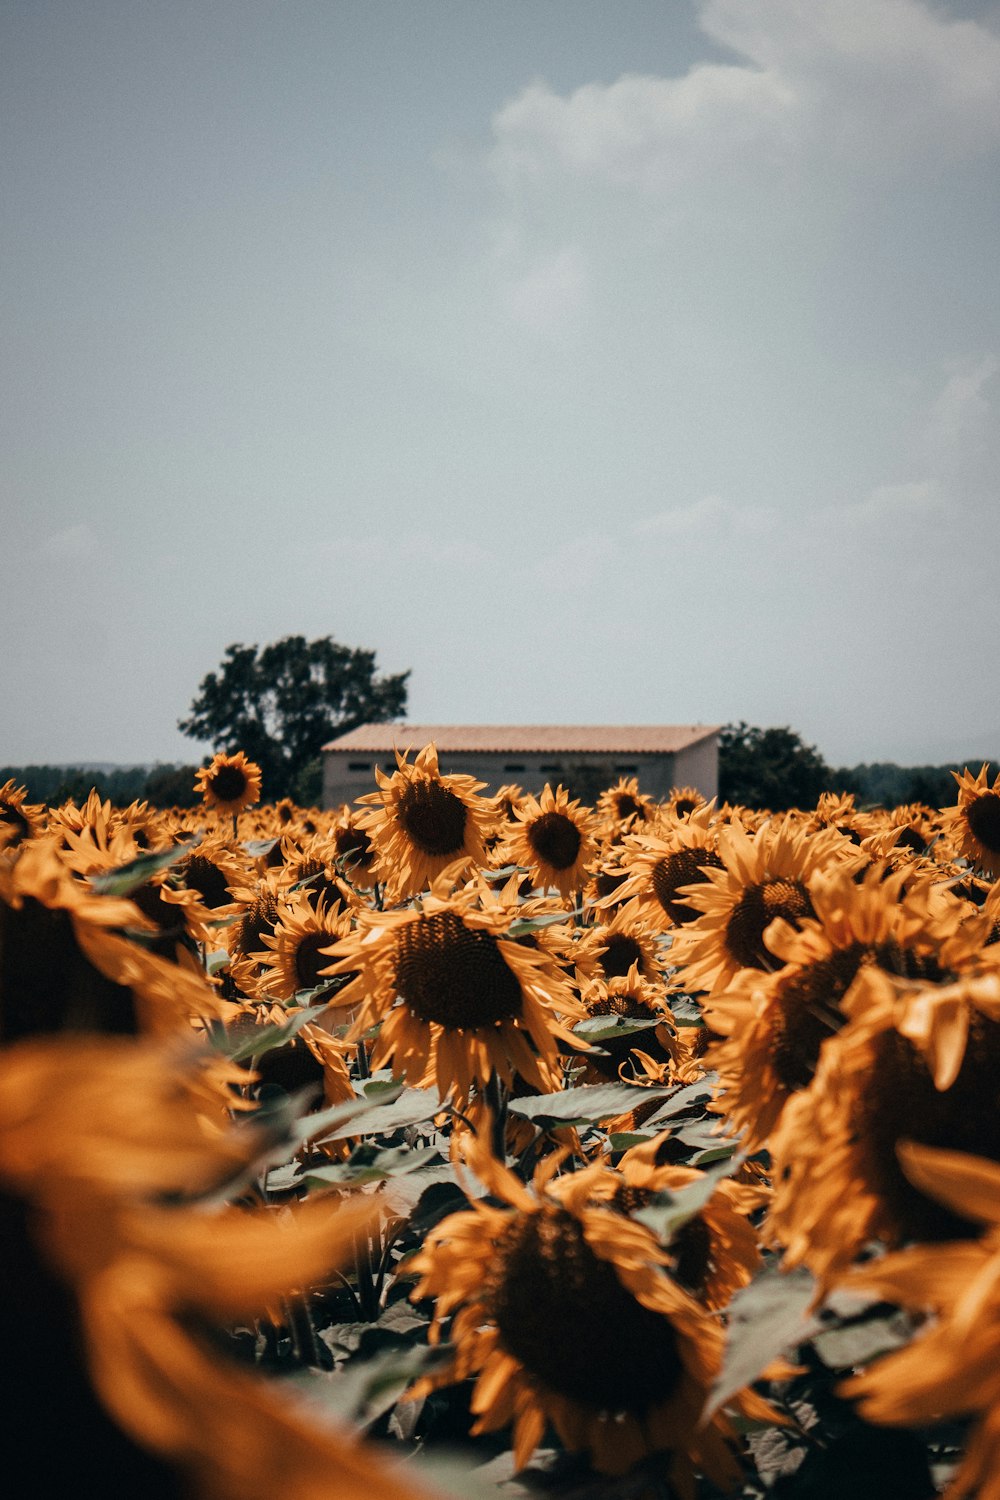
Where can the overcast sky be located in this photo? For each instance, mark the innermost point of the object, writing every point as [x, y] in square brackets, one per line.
[632, 362]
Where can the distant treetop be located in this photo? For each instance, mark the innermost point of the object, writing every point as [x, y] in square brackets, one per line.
[281, 703]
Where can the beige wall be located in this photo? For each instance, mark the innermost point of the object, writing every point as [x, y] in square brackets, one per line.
[347, 774]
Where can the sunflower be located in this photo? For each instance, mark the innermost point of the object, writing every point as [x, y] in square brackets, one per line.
[111, 1233]
[352, 853]
[657, 863]
[299, 949]
[951, 1369]
[763, 876]
[457, 998]
[65, 964]
[622, 807]
[975, 822]
[553, 839]
[230, 783]
[684, 801]
[19, 819]
[773, 1025]
[566, 1313]
[713, 1253]
[422, 821]
[916, 1062]
[608, 950]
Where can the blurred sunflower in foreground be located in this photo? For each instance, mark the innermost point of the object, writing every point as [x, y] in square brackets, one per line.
[953, 1367]
[109, 1234]
[916, 1062]
[457, 998]
[975, 822]
[565, 1312]
[230, 783]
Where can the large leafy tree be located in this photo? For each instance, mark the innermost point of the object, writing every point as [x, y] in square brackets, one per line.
[280, 703]
[769, 768]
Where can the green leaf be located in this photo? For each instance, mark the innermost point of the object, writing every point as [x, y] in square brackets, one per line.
[858, 1343]
[600, 1028]
[368, 1164]
[266, 1038]
[127, 878]
[523, 925]
[766, 1319]
[680, 1098]
[409, 1107]
[259, 848]
[668, 1212]
[586, 1105]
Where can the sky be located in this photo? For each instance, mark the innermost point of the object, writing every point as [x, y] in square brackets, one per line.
[632, 363]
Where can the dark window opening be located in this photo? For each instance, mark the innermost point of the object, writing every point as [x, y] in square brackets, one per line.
[553, 765]
[359, 765]
[515, 767]
[626, 770]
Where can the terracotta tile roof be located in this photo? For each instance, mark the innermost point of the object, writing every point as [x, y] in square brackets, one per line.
[512, 739]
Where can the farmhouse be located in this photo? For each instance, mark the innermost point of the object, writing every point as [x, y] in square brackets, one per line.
[589, 756]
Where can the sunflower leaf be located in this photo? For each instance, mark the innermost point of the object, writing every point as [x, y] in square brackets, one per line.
[127, 878]
[766, 1318]
[585, 1105]
[368, 1164]
[668, 1212]
[598, 1028]
[680, 1098]
[389, 1112]
[266, 1038]
[523, 925]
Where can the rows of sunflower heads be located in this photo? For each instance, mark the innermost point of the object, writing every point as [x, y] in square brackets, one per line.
[658, 1052]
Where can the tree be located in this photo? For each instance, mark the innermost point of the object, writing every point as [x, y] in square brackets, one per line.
[770, 768]
[282, 702]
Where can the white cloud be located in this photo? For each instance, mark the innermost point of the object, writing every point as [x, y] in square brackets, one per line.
[641, 130]
[861, 82]
[710, 516]
[963, 403]
[909, 504]
[551, 291]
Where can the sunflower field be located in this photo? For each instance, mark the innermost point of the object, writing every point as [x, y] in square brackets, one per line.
[455, 1144]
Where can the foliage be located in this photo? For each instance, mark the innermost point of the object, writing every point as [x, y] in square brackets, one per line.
[280, 703]
[769, 768]
[884, 784]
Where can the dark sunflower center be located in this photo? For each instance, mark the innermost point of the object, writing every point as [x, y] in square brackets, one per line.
[807, 1012]
[903, 1104]
[756, 908]
[564, 1314]
[205, 877]
[354, 847]
[454, 974]
[285, 1070]
[626, 806]
[228, 783]
[629, 1006]
[555, 839]
[261, 917]
[47, 983]
[621, 951]
[608, 881]
[684, 807]
[15, 817]
[692, 1247]
[433, 818]
[683, 867]
[983, 817]
[309, 960]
